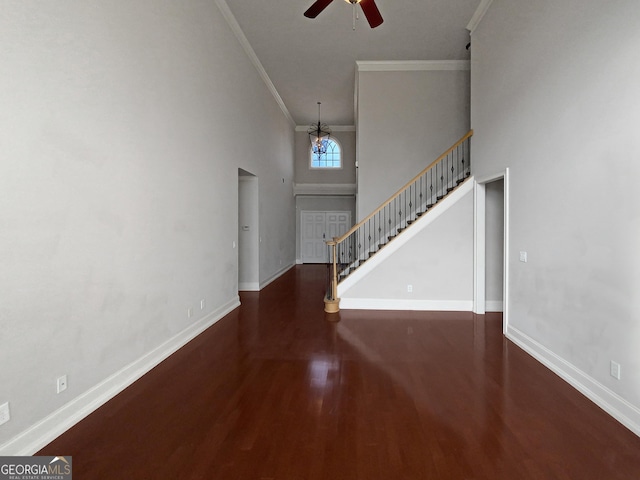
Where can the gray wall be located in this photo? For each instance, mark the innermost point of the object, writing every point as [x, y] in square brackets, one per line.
[437, 262]
[347, 174]
[406, 119]
[555, 98]
[122, 128]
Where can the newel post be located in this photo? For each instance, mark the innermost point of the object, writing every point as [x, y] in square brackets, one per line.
[331, 301]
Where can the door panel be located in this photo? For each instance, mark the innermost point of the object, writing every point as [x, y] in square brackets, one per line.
[316, 227]
[312, 242]
[337, 224]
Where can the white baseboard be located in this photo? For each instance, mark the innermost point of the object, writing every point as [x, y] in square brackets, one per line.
[277, 275]
[616, 406]
[404, 304]
[256, 287]
[49, 428]
[493, 306]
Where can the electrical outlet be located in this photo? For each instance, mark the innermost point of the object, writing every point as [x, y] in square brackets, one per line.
[202, 304]
[523, 257]
[189, 312]
[5, 414]
[615, 370]
[61, 384]
[410, 288]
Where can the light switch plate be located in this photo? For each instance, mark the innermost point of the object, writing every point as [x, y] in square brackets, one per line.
[61, 384]
[615, 370]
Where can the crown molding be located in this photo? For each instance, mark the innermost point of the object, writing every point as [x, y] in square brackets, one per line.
[411, 65]
[334, 128]
[477, 16]
[237, 31]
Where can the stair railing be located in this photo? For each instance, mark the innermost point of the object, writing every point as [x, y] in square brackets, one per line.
[414, 199]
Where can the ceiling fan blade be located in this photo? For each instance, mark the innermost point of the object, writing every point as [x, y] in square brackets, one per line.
[372, 13]
[316, 8]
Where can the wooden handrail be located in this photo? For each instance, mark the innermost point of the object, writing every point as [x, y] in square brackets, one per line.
[410, 182]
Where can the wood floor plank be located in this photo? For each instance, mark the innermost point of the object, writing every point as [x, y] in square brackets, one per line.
[275, 391]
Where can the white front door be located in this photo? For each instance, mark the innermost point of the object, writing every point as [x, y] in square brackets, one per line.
[316, 227]
[338, 223]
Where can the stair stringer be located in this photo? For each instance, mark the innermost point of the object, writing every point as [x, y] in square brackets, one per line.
[396, 244]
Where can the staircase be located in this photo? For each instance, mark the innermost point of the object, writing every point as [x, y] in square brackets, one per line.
[399, 212]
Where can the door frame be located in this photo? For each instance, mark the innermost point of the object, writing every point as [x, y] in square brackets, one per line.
[479, 246]
[248, 235]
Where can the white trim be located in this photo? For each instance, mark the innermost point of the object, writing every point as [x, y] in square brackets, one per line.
[491, 178]
[479, 266]
[334, 128]
[437, 210]
[356, 82]
[478, 15]
[323, 189]
[249, 286]
[320, 195]
[479, 248]
[405, 304]
[276, 275]
[235, 28]
[411, 65]
[616, 406]
[505, 263]
[49, 428]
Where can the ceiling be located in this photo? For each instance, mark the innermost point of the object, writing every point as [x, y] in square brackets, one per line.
[313, 60]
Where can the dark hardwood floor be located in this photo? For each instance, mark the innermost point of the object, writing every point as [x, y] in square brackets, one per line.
[275, 391]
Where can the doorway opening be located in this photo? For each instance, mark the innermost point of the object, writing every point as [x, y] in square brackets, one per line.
[248, 232]
[491, 246]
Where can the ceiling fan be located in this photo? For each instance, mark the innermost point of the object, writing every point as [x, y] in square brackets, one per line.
[369, 8]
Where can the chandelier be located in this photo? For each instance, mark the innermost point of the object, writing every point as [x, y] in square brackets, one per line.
[319, 136]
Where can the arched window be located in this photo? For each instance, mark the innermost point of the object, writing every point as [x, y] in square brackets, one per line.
[331, 159]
